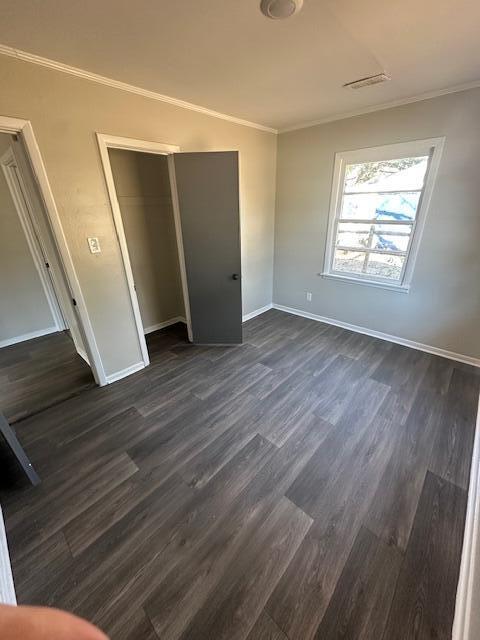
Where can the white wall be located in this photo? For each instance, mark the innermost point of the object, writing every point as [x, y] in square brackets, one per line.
[443, 307]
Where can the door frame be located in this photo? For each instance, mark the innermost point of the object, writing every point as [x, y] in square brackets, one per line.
[22, 206]
[106, 142]
[24, 129]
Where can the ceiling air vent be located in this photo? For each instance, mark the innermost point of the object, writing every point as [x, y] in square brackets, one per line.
[366, 82]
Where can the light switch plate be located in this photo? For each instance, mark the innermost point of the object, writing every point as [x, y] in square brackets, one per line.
[94, 245]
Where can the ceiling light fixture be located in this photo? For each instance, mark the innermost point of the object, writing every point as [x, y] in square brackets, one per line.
[280, 9]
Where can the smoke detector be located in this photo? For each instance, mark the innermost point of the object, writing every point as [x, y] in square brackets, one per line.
[366, 82]
[280, 9]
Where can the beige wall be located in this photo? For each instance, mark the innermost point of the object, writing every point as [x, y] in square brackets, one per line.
[143, 192]
[24, 306]
[65, 112]
[443, 306]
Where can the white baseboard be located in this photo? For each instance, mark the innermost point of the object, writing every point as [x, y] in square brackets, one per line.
[257, 312]
[118, 375]
[475, 362]
[466, 625]
[28, 336]
[83, 355]
[165, 323]
[7, 589]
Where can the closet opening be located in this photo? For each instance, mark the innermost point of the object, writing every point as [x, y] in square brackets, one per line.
[142, 185]
[144, 218]
[177, 218]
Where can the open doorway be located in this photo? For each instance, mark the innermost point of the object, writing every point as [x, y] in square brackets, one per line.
[199, 195]
[69, 293]
[139, 181]
[31, 306]
[43, 359]
[143, 193]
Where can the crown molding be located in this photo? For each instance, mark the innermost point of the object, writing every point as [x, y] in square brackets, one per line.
[153, 95]
[386, 105]
[123, 86]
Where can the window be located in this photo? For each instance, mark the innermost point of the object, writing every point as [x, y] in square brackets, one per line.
[378, 206]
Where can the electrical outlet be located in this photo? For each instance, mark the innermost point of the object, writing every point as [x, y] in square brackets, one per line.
[309, 296]
[94, 245]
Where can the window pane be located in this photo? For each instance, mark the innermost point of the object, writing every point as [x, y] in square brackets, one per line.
[383, 265]
[348, 261]
[390, 242]
[391, 237]
[373, 236]
[386, 175]
[395, 229]
[353, 235]
[380, 206]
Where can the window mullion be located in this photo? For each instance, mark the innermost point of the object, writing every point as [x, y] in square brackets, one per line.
[365, 261]
[381, 191]
[363, 249]
[375, 221]
[369, 245]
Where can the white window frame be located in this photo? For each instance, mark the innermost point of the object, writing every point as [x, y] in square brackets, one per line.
[432, 147]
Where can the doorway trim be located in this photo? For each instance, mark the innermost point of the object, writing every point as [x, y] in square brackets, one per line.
[23, 128]
[20, 200]
[106, 142]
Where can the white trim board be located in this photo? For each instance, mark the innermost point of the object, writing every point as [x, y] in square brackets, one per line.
[469, 568]
[83, 355]
[257, 312]
[28, 336]
[164, 324]
[475, 362]
[18, 54]
[7, 588]
[123, 373]
[172, 176]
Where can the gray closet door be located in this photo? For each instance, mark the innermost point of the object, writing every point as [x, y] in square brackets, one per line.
[208, 198]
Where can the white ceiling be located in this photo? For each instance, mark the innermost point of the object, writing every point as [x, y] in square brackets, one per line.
[226, 56]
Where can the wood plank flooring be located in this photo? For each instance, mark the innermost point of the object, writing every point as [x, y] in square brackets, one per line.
[38, 373]
[308, 485]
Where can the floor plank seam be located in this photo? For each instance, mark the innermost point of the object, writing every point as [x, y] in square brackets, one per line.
[147, 617]
[67, 542]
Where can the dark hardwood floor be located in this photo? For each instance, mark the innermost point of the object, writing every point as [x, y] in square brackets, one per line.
[310, 484]
[39, 373]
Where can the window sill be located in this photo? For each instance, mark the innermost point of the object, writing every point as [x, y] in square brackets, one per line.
[399, 288]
